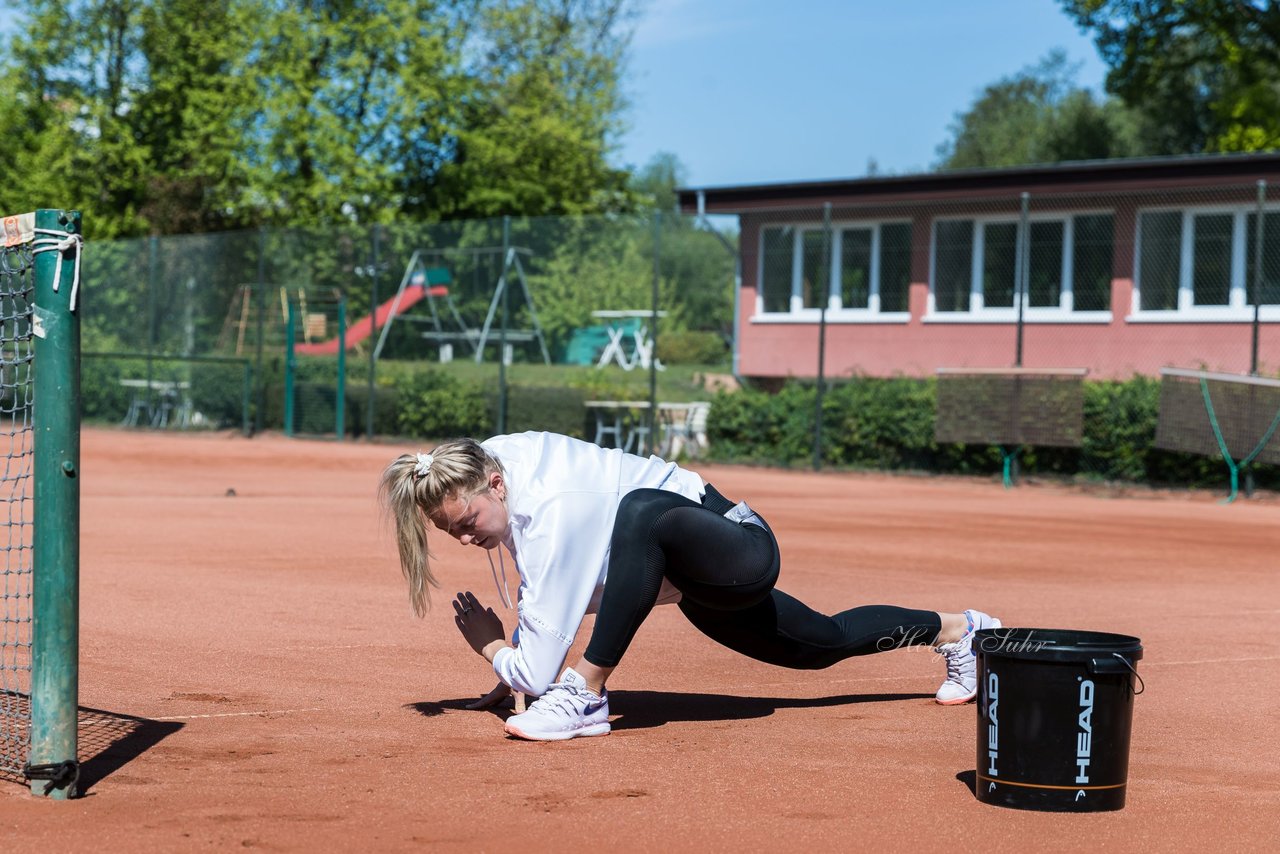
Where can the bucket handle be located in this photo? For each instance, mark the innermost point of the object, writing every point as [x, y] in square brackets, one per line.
[1105, 665]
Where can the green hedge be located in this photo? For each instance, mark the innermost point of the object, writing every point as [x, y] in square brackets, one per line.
[216, 390]
[884, 424]
[888, 424]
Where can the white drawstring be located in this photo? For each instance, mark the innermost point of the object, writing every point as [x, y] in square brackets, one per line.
[502, 591]
[60, 242]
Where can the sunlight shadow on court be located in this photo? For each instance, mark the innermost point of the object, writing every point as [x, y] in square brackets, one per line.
[110, 740]
[431, 709]
[107, 741]
[645, 709]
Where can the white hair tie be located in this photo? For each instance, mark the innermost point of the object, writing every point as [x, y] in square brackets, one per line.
[424, 465]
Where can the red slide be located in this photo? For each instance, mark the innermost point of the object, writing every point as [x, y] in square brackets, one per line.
[361, 329]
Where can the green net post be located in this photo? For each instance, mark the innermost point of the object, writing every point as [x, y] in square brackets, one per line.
[290, 366]
[340, 393]
[246, 390]
[56, 501]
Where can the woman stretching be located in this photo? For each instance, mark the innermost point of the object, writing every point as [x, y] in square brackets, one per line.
[603, 531]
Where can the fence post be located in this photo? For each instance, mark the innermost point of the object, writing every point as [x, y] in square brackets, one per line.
[261, 378]
[822, 335]
[152, 249]
[246, 394]
[1257, 275]
[340, 394]
[55, 677]
[651, 435]
[373, 331]
[288, 371]
[502, 330]
[1023, 258]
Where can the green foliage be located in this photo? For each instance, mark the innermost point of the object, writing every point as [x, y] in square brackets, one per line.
[889, 424]
[434, 405]
[176, 116]
[1120, 425]
[756, 426]
[558, 409]
[884, 424]
[1039, 116]
[656, 182]
[1204, 74]
[692, 348]
[386, 410]
[216, 391]
[596, 264]
[540, 110]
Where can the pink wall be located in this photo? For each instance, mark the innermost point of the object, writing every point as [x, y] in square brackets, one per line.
[1114, 350]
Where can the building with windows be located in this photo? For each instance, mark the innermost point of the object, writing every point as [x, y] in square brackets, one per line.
[1121, 267]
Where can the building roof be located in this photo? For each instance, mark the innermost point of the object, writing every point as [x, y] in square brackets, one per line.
[1086, 176]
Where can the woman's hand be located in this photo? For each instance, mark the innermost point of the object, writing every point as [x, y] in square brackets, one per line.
[478, 624]
[493, 698]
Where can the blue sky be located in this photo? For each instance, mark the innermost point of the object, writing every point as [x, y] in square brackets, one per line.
[761, 91]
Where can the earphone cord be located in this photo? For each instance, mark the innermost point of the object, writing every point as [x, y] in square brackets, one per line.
[502, 591]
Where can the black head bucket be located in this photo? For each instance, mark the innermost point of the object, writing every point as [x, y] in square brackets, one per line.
[1055, 710]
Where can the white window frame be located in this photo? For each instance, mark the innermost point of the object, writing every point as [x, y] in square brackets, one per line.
[978, 312]
[836, 313]
[1237, 309]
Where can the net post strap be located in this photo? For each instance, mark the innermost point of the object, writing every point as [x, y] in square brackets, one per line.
[1232, 465]
[61, 242]
[60, 775]
[1008, 458]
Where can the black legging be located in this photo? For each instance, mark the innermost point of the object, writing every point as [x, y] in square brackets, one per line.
[725, 572]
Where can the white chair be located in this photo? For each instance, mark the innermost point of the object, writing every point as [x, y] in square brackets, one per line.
[688, 431]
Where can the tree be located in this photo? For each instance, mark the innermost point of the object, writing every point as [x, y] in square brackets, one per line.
[1205, 74]
[541, 111]
[172, 116]
[1039, 116]
[655, 183]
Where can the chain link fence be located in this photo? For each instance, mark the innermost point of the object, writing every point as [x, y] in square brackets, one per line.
[842, 315]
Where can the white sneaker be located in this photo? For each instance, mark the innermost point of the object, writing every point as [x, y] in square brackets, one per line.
[568, 709]
[961, 685]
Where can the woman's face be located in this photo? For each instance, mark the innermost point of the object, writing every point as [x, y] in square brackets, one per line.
[479, 520]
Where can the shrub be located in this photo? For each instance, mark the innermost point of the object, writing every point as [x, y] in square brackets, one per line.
[435, 405]
[692, 348]
[889, 424]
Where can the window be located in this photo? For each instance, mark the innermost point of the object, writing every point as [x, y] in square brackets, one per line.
[1091, 263]
[1267, 289]
[1201, 263]
[1161, 253]
[1067, 265]
[854, 270]
[775, 276]
[953, 265]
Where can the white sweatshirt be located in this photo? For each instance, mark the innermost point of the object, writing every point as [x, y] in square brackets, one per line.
[562, 498]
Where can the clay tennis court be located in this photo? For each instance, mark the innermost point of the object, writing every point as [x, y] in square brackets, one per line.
[251, 676]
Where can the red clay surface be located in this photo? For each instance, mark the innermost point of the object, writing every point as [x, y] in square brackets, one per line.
[259, 682]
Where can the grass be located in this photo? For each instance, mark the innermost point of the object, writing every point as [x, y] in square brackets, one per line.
[679, 383]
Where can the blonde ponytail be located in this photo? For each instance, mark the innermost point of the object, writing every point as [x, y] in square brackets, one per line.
[413, 487]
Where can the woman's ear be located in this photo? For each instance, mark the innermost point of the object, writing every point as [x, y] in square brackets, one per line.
[497, 485]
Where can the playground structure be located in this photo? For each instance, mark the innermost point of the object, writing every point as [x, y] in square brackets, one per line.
[426, 271]
[242, 318]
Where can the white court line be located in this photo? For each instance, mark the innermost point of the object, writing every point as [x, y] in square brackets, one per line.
[331, 646]
[237, 714]
[1209, 661]
[902, 678]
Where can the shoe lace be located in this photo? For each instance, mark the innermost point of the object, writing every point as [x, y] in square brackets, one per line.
[958, 658]
[561, 699]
